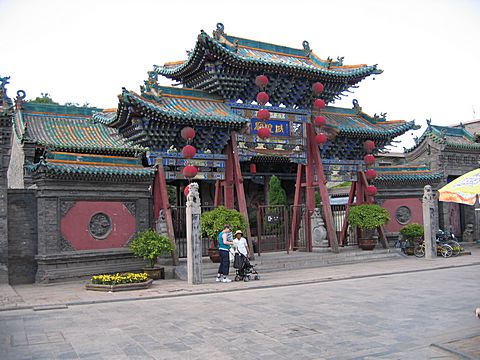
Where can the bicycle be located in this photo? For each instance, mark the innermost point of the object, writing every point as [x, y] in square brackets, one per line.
[401, 244]
[442, 249]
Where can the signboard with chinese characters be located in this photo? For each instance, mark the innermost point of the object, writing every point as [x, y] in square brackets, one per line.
[287, 133]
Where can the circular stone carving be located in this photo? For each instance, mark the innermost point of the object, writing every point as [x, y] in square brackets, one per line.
[100, 226]
[403, 214]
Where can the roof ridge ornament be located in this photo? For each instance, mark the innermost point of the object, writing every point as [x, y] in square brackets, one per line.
[306, 48]
[356, 106]
[219, 31]
[151, 89]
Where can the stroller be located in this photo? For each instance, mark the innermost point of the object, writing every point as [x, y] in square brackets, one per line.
[244, 270]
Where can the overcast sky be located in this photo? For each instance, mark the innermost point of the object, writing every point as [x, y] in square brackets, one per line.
[87, 50]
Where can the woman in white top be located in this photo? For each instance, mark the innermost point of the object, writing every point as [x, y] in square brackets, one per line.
[241, 244]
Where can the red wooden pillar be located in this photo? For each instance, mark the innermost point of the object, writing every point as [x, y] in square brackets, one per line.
[238, 181]
[228, 190]
[296, 208]
[309, 189]
[217, 201]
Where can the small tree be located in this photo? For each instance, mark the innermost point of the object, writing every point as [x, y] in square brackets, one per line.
[276, 194]
[213, 221]
[149, 245]
[368, 216]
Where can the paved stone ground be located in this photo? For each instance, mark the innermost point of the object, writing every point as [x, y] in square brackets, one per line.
[396, 316]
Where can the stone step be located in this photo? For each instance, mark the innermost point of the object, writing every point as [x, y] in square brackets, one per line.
[270, 262]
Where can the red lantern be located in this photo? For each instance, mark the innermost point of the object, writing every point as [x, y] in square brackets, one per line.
[369, 145]
[264, 133]
[321, 138]
[320, 120]
[371, 190]
[261, 81]
[187, 133]
[262, 98]
[253, 168]
[319, 104]
[317, 88]
[189, 171]
[189, 151]
[369, 159]
[370, 174]
[186, 191]
[263, 114]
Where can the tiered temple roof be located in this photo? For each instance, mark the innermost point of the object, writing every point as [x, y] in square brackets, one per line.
[227, 65]
[70, 143]
[453, 138]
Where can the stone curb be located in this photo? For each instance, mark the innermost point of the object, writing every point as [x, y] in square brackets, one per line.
[226, 290]
[457, 353]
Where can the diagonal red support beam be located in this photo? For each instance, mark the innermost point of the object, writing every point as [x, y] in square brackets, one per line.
[217, 201]
[327, 209]
[228, 190]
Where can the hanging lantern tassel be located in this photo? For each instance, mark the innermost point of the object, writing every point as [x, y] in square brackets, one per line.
[190, 171]
[371, 190]
[253, 168]
[264, 133]
[186, 191]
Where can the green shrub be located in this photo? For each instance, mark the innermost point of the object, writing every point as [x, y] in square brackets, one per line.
[213, 221]
[276, 194]
[149, 245]
[368, 216]
[412, 232]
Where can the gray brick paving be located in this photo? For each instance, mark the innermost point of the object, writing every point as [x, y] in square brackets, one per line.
[395, 316]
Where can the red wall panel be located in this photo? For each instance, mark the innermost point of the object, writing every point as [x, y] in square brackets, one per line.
[415, 206]
[75, 225]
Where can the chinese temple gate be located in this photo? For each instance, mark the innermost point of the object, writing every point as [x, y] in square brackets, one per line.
[117, 154]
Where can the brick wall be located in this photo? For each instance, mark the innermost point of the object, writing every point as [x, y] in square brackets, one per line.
[22, 231]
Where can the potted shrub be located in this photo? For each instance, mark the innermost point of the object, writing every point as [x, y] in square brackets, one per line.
[149, 245]
[212, 223]
[411, 233]
[367, 217]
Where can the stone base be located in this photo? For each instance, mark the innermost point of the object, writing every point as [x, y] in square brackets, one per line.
[74, 265]
[119, 287]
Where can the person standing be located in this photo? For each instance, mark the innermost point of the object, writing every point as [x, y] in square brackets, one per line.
[241, 244]
[225, 240]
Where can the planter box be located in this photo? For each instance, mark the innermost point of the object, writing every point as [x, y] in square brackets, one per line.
[119, 287]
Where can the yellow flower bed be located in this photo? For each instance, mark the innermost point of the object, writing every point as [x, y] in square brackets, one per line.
[125, 278]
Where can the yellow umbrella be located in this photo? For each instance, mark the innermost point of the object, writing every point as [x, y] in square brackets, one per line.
[463, 190]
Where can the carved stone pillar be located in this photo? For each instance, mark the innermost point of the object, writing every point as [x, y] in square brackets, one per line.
[194, 236]
[428, 204]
